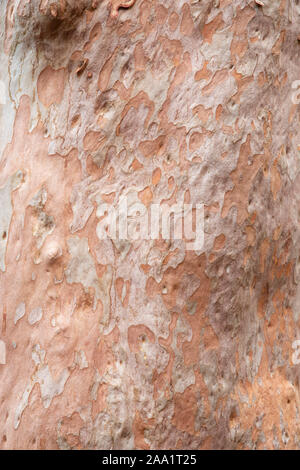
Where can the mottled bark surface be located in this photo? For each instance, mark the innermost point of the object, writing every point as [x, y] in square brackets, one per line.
[142, 344]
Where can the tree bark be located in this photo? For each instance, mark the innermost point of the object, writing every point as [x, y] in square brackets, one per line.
[110, 343]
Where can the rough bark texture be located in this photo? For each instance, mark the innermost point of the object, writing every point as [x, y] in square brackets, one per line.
[142, 344]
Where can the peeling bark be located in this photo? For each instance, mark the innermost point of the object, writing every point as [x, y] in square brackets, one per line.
[122, 344]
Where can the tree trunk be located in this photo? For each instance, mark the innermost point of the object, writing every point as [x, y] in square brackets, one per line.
[112, 341]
